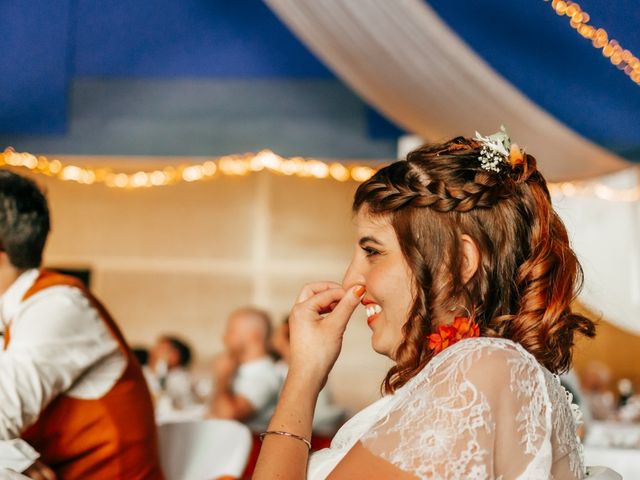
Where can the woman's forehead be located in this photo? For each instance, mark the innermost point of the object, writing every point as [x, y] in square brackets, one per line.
[377, 226]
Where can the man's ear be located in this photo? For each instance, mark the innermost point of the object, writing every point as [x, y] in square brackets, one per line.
[470, 258]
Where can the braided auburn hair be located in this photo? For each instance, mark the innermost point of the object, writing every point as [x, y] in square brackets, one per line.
[527, 276]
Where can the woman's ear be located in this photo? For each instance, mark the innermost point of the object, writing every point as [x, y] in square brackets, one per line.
[470, 258]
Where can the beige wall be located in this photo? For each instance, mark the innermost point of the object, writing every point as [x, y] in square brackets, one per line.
[612, 346]
[181, 258]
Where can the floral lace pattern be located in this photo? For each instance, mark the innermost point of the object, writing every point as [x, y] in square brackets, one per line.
[566, 413]
[482, 408]
[531, 416]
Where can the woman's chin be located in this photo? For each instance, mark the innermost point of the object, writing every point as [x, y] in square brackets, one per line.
[379, 346]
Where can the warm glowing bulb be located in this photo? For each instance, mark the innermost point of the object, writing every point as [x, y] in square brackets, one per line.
[226, 165]
[88, 177]
[339, 172]
[561, 7]
[121, 180]
[71, 172]
[288, 167]
[30, 162]
[158, 178]
[209, 168]
[193, 173]
[268, 159]
[139, 179]
[572, 10]
[256, 164]
[318, 169]
[361, 174]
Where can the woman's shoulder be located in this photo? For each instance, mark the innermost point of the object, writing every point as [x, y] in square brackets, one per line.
[488, 361]
[484, 350]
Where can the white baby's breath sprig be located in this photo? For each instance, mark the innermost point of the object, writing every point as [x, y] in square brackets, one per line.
[495, 150]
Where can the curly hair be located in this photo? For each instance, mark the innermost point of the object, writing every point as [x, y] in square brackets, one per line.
[527, 276]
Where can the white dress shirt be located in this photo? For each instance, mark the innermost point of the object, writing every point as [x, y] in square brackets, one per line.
[59, 344]
[176, 384]
[259, 382]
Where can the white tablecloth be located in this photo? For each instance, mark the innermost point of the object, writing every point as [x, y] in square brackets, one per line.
[624, 461]
[615, 445]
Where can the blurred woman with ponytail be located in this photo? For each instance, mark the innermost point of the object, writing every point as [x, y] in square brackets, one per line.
[467, 278]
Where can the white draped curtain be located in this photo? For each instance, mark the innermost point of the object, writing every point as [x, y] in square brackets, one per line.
[606, 236]
[404, 60]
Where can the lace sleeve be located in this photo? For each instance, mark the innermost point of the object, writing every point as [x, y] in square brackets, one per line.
[479, 410]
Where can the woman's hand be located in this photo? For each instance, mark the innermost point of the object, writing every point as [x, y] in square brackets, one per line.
[317, 324]
[225, 366]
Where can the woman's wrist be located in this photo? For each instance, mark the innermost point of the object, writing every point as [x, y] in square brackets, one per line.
[305, 381]
[294, 413]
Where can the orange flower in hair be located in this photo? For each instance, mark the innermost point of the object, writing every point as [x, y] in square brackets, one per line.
[515, 155]
[462, 327]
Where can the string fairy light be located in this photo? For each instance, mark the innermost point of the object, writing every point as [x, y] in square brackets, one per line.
[232, 165]
[241, 165]
[622, 58]
[594, 190]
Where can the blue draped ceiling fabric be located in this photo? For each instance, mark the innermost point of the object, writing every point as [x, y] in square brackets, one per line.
[404, 60]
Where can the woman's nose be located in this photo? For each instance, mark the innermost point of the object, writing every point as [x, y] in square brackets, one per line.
[353, 276]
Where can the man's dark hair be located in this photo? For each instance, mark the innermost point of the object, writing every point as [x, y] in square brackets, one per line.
[183, 350]
[24, 220]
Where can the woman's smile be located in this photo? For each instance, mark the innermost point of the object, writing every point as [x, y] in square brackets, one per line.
[372, 310]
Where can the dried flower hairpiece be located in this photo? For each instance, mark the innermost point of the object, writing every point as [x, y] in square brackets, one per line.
[498, 150]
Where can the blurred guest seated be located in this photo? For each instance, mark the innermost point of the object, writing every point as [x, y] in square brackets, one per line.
[327, 417]
[73, 400]
[141, 354]
[247, 382]
[628, 401]
[167, 371]
[596, 381]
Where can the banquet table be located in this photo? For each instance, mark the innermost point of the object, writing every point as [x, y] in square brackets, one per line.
[615, 445]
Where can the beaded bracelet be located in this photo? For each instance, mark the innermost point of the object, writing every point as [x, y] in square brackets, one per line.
[286, 434]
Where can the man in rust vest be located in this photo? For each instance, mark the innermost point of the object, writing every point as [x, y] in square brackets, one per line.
[73, 401]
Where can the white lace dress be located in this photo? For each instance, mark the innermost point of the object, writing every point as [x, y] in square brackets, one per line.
[483, 408]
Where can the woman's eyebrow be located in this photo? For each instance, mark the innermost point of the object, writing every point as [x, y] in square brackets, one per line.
[369, 239]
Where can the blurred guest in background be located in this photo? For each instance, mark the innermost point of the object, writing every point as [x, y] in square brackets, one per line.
[596, 385]
[73, 400]
[628, 401]
[167, 372]
[327, 417]
[141, 354]
[247, 382]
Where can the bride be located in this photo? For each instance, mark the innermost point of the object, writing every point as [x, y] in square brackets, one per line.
[467, 276]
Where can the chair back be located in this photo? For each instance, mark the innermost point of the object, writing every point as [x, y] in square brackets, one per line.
[602, 473]
[204, 449]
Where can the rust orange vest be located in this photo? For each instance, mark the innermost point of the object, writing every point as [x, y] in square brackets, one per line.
[112, 437]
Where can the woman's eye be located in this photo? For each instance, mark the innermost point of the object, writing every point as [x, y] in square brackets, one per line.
[370, 252]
